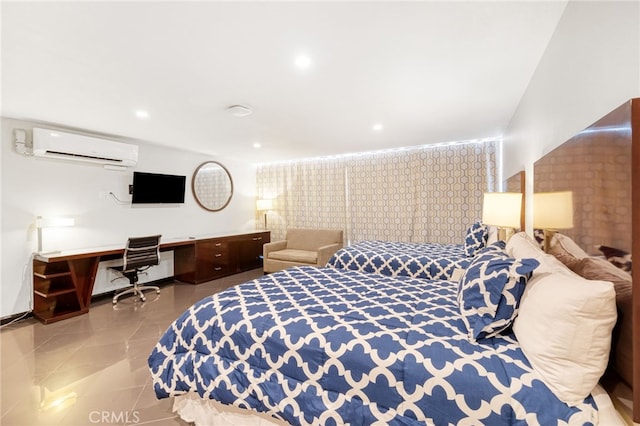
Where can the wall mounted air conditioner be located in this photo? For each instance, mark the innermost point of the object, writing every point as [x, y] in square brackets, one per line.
[70, 146]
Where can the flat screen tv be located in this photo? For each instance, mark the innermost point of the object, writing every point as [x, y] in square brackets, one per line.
[155, 188]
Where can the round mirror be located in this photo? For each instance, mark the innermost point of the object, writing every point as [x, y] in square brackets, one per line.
[212, 186]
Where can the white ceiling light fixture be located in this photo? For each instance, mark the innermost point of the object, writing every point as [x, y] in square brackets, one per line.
[142, 113]
[303, 61]
[239, 110]
[377, 127]
[257, 145]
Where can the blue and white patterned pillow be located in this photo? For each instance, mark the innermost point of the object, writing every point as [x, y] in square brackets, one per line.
[475, 239]
[489, 292]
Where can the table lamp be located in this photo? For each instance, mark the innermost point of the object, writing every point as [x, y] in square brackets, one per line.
[51, 222]
[552, 211]
[502, 210]
[264, 206]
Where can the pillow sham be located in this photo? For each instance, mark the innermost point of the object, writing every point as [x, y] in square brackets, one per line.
[568, 245]
[617, 257]
[489, 292]
[564, 326]
[559, 252]
[521, 246]
[475, 238]
[593, 268]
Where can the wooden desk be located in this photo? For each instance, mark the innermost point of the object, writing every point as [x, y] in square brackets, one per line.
[63, 281]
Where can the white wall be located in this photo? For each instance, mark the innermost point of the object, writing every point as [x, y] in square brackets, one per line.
[34, 186]
[590, 67]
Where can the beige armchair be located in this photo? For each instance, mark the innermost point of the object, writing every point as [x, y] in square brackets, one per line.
[302, 247]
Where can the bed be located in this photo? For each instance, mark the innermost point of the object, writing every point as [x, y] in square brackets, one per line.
[417, 260]
[238, 358]
[327, 346]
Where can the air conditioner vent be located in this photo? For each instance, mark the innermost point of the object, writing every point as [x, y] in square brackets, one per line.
[70, 146]
[82, 156]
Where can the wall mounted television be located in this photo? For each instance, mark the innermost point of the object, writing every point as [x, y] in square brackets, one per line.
[155, 188]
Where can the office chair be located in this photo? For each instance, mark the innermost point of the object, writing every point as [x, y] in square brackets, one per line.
[140, 254]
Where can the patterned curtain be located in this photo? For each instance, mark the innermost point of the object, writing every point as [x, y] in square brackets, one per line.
[424, 194]
[306, 194]
[381, 199]
[449, 183]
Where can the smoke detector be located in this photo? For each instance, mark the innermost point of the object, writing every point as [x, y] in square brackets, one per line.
[239, 110]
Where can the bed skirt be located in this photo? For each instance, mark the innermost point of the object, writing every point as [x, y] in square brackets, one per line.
[191, 408]
[207, 412]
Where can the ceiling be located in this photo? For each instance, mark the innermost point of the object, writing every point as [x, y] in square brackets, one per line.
[427, 72]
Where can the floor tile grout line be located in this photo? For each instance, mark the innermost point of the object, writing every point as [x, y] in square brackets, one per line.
[133, 408]
[83, 333]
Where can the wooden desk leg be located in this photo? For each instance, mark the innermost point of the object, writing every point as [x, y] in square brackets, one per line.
[63, 289]
[83, 272]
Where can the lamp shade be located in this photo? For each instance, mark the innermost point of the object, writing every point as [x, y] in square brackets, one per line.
[553, 210]
[262, 205]
[502, 209]
[51, 222]
[54, 222]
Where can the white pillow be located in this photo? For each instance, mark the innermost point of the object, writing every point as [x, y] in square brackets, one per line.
[564, 327]
[522, 246]
[568, 245]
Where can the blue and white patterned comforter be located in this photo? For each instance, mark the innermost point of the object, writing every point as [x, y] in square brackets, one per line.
[418, 260]
[330, 347]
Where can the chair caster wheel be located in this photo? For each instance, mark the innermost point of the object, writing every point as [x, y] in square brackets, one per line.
[157, 291]
[114, 301]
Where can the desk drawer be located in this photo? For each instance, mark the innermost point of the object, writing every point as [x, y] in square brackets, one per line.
[219, 271]
[213, 251]
[207, 271]
[220, 258]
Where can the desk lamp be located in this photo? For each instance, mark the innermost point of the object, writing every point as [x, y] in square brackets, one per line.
[264, 206]
[552, 211]
[502, 210]
[51, 222]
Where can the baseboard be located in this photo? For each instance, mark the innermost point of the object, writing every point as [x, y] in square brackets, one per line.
[14, 317]
[95, 298]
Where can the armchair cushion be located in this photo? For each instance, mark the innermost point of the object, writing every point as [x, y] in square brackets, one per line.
[293, 255]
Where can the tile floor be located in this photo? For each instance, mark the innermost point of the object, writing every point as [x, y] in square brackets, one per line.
[92, 369]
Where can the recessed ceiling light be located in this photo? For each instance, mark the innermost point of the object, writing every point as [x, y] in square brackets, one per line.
[303, 61]
[142, 113]
[239, 110]
[377, 127]
[257, 145]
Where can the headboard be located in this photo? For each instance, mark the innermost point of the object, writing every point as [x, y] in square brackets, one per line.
[601, 166]
[595, 165]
